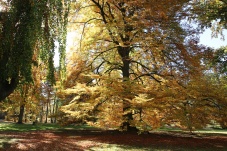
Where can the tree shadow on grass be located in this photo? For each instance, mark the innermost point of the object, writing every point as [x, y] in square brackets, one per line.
[154, 140]
[80, 140]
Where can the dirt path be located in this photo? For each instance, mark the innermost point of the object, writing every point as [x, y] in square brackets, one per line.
[99, 140]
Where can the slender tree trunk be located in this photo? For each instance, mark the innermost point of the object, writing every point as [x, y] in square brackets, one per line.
[41, 115]
[47, 110]
[14, 117]
[21, 114]
[56, 110]
[51, 111]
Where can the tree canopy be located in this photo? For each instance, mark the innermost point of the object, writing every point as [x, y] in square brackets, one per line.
[144, 59]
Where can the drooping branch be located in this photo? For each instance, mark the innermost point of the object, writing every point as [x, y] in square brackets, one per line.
[83, 30]
[29, 26]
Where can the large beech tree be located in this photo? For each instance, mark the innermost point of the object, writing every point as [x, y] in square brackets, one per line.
[138, 41]
[27, 26]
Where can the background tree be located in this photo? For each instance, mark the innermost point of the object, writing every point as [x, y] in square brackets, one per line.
[30, 25]
[212, 14]
[25, 100]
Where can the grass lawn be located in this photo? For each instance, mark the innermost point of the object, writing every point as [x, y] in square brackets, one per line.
[85, 138]
[38, 127]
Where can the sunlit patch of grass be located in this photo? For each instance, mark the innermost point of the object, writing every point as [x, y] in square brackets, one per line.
[212, 131]
[116, 147]
[199, 132]
[5, 142]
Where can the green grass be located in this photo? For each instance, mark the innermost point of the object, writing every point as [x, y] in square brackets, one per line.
[116, 147]
[29, 127]
[207, 131]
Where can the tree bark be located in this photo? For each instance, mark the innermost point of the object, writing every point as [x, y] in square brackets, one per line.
[56, 110]
[41, 115]
[21, 114]
[124, 53]
[47, 111]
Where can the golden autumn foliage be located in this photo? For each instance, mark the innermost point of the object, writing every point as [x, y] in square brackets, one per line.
[135, 64]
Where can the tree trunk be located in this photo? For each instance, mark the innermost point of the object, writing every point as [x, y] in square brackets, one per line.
[51, 112]
[41, 115]
[47, 110]
[21, 114]
[124, 53]
[56, 110]
[127, 118]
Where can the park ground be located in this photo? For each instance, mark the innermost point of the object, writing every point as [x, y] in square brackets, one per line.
[49, 137]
